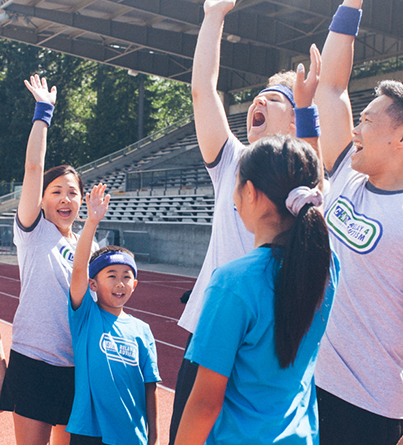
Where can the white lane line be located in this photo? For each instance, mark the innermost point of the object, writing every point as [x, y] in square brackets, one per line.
[9, 295]
[169, 344]
[126, 307]
[8, 278]
[157, 341]
[151, 313]
[165, 388]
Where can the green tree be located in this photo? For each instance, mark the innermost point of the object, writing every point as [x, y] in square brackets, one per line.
[97, 108]
[172, 101]
[113, 123]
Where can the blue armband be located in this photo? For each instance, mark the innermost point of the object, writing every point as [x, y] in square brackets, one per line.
[346, 20]
[43, 112]
[307, 122]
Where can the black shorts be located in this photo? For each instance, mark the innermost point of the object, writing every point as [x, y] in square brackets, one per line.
[77, 439]
[341, 423]
[37, 390]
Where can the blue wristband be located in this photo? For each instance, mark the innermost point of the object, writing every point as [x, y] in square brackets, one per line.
[346, 21]
[307, 122]
[43, 112]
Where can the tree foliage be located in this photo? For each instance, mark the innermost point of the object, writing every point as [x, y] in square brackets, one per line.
[97, 108]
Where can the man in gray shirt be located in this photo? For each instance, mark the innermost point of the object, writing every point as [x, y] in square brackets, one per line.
[360, 365]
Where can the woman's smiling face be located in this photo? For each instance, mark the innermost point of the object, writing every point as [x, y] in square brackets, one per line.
[61, 202]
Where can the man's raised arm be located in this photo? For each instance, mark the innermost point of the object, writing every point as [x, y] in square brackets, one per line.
[212, 127]
[332, 98]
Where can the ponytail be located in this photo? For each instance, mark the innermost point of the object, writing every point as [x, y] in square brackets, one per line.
[276, 166]
[300, 283]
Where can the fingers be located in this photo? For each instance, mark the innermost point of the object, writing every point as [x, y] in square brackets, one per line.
[300, 74]
[36, 83]
[28, 85]
[107, 199]
[316, 63]
[97, 193]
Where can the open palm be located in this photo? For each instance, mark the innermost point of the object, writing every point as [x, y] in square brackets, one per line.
[97, 204]
[40, 91]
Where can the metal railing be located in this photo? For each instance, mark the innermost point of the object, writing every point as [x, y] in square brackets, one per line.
[9, 187]
[136, 146]
[169, 178]
[10, 196]
[6, 239]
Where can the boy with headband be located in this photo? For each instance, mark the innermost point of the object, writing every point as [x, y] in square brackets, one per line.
[115, 355]
[272, 112]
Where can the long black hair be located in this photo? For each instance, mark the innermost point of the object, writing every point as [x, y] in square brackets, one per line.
[276, 165]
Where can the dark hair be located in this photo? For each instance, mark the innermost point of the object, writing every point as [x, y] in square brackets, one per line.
[111, 248]
[276, 165]
[394, 90]
[61, 170]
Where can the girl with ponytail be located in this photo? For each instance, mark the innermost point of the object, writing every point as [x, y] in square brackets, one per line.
[264, 314]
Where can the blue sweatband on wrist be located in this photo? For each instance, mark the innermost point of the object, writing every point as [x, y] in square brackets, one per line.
[43, 112]
[307, 122]
[346, 20]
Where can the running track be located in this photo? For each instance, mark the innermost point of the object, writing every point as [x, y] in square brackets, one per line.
[156, 301]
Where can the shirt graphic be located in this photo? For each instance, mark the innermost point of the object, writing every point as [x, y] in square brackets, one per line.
[68, 254]
[119, 349]
[358, 232]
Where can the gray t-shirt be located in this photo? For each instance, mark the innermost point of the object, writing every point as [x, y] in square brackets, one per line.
[229, 237]
[361, 355]
[41, 327]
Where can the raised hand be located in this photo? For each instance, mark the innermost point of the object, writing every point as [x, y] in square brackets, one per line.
[219, 5]
[40, 91]
[97, 204]
[305, 89]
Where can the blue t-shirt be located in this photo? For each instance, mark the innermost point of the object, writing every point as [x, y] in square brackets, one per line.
[114, 358]
[263, 403]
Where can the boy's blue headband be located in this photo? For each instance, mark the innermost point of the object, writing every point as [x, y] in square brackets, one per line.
[110, 258]
[286, 91]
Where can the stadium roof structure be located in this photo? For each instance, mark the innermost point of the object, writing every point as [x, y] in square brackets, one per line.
[158, 37]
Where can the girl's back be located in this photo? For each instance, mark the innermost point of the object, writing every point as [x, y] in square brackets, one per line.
[235, 337]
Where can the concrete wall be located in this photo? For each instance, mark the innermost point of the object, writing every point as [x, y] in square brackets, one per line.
[170, 243]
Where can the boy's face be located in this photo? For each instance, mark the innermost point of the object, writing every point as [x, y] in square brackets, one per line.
[114, 286]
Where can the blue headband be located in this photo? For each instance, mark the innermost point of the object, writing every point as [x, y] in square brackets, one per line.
[110, 258]
[286, 91]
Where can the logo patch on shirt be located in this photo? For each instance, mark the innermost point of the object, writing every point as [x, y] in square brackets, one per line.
[358, 232]
[119, 349]
[67, 254]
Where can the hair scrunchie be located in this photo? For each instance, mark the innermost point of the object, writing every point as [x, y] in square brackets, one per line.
[301, 196]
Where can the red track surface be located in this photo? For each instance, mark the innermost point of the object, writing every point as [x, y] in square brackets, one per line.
[155, 301]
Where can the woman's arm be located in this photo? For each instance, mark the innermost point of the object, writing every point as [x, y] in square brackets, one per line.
[203, 407]
[31, 195]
